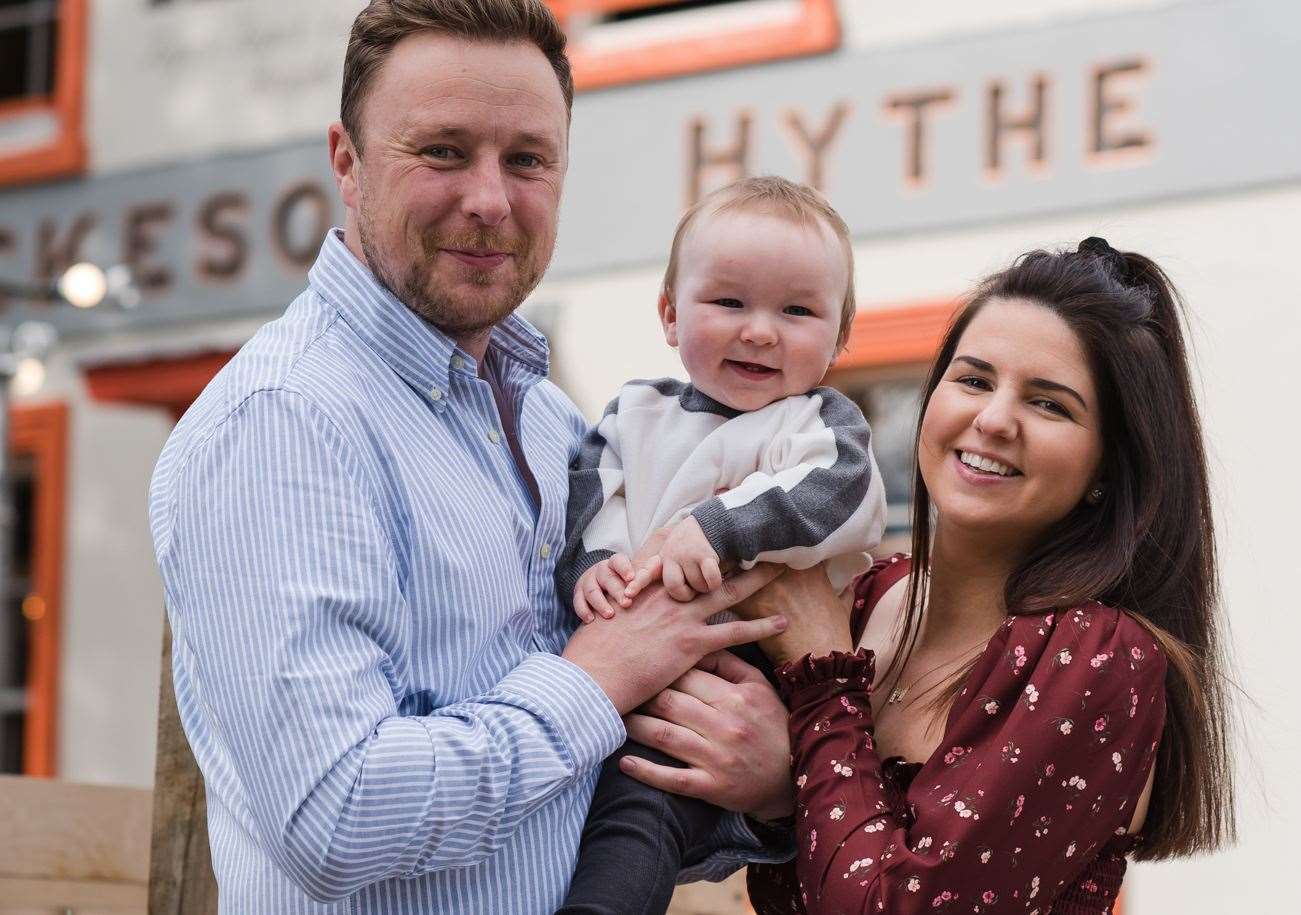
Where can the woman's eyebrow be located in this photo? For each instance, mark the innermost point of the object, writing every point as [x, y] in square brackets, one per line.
[1047, 385]
[1041, 383]
[975, 363]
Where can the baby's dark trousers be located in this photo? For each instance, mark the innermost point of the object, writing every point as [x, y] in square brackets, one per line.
[637, 838]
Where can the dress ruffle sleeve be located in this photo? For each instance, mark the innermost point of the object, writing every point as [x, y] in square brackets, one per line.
[1046, 751]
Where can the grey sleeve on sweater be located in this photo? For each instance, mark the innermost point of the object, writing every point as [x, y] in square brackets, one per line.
[809, 512]
[586, 498]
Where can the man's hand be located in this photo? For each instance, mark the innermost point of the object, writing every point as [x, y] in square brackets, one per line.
[690, 563]
[649, 645]
[728, 725]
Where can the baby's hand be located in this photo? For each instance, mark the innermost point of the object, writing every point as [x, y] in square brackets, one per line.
[690, 563]
[602, 583]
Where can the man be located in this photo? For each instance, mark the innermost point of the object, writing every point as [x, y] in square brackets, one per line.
[357, 521]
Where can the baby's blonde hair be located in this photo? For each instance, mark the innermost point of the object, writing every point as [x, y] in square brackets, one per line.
[778, 197]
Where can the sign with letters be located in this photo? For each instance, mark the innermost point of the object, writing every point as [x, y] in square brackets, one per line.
[1181, 100]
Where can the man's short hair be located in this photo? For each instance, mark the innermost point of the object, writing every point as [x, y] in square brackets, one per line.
[777, 197]
[383, 23]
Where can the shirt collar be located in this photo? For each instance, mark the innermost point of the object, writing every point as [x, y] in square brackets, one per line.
[418, 352]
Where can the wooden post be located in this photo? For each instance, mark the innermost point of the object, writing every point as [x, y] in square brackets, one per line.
[181, 881]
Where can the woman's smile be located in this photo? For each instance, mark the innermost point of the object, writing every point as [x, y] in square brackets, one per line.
[982, 470]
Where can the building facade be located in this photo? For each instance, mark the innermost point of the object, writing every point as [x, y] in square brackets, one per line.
[186, 139]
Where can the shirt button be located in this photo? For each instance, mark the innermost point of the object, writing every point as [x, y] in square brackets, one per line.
[458, 363]
[494, 436]
[545, 551]
[435, 394]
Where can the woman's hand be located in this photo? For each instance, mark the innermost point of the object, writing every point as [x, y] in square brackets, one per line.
[728, 725]
[819, 619]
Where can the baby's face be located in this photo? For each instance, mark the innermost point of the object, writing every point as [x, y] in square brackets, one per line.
[757, 305]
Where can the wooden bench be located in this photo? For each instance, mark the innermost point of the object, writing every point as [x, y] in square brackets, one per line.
[66, 846]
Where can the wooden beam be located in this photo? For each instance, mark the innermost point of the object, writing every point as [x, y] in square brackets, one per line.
[181, 881]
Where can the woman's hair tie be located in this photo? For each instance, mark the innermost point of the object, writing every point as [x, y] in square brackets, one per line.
[1113, 259]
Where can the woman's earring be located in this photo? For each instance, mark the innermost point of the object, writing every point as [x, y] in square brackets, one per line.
[1094, 496]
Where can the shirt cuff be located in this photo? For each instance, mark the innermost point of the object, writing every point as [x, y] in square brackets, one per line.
[737, 845]
[586, 721]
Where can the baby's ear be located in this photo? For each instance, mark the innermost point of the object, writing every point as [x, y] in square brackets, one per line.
[668, 318]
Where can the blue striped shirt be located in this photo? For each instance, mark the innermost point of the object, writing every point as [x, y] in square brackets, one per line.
[366, 628]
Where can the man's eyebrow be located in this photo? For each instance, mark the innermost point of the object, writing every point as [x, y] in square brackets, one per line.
[527, 138]
[1042, 383]
[451, 132]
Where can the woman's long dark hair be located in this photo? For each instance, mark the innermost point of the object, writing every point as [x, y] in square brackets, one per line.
[1149, 545]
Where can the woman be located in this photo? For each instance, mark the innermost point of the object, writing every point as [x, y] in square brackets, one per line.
[1037, 694]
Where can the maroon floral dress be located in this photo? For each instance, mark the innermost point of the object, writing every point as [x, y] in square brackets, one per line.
[1025, 806]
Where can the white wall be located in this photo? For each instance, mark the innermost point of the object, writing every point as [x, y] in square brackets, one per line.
[879, 23]
[196, 78]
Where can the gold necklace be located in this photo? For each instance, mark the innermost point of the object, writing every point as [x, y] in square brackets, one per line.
[899, 692]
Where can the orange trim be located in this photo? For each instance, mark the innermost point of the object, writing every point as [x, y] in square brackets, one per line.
[169, 383]
[569, 7]
[42, 432]
[66, 153]
[16, 106]
[897, 335]
[817, 29]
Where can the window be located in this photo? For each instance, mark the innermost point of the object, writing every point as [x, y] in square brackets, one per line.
[883, 369]
[41, 64]
[30, 603]
[890, 401]
[15, 650]
[623, 41]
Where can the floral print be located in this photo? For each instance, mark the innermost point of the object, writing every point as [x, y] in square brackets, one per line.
[1023, 808]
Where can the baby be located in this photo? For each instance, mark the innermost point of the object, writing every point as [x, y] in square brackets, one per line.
[749, 462]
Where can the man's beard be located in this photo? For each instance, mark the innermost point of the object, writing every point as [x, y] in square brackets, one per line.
[411, 285]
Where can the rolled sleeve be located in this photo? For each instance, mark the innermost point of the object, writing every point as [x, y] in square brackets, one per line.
[585, 720]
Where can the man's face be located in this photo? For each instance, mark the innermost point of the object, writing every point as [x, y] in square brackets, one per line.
[456, 188]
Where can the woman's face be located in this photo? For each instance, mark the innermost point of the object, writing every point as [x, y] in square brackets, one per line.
[1011, 441]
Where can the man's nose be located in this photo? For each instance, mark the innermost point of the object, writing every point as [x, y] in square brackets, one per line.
[484, 198]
